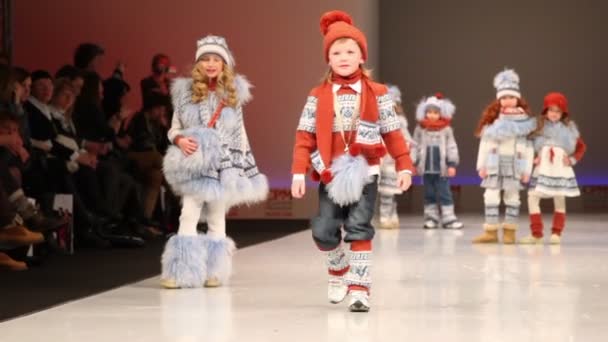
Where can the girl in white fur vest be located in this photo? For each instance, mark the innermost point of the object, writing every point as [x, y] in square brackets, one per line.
[210, 165]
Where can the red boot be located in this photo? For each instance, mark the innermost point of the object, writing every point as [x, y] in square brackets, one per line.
[559, 222]
[536, 225]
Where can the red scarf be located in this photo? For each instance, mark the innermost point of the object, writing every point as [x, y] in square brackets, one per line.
[435, 125]
[325, 114]
[216, 115]
[346, 80]
[212, 84]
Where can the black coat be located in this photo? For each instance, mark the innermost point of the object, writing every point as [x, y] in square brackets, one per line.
[43, 130]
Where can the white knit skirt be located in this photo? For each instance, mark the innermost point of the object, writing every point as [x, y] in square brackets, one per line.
[552, 177]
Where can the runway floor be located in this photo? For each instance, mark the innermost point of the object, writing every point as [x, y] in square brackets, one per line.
[428, 286]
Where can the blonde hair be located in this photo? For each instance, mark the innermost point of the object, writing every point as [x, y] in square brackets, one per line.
[225, 87]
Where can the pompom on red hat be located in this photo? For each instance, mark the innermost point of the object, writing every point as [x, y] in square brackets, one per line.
[338, 24]
[556, 99]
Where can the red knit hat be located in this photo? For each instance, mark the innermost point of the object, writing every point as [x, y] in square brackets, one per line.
[556, 99]
[338, 24]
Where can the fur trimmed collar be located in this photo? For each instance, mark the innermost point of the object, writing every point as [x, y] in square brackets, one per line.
[509, 126]
[181, 90]
[558, 134]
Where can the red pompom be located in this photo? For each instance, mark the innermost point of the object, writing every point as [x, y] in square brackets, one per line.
[354, 149]
[326, 176]
[331, 17]
[439, 95]
[315, 176]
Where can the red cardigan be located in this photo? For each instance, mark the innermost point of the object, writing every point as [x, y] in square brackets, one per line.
[306, 143]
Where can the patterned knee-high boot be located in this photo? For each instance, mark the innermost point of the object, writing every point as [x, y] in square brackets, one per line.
[358, 278]
[337, 266]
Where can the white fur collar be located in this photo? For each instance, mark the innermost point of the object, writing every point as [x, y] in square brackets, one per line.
[181, 90]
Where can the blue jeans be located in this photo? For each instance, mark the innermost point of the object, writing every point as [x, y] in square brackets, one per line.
[435, 185]
[356, 218]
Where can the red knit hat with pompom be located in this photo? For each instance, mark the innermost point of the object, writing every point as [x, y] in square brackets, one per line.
[338, 24]
[556, 99]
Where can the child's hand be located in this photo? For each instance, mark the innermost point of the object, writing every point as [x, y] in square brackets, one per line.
[404, 181]
[567, 161]
[187, 145]
[483, 173]
[298, 188]
[536, 160]
[451, 171]
[525, 179]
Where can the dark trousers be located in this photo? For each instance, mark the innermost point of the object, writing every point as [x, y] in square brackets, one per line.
[356, 218]
[435, 185]
[89, 187]
[120, 190]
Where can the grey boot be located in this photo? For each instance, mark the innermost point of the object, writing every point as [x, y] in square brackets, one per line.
[431, 216]
[449, 219]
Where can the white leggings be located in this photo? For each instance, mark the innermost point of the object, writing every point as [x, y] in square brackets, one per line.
[509, 197]
[191, 214]
[534, 198]
[492, 199]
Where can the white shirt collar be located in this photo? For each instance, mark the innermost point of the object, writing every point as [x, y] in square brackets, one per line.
[354, 86]
[44, 108]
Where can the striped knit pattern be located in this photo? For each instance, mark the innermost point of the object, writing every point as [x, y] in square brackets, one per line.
[511, 214]
[492, 214]
[358, 275]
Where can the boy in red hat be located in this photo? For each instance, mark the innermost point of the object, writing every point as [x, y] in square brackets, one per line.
[558, 147]
[340, 135]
